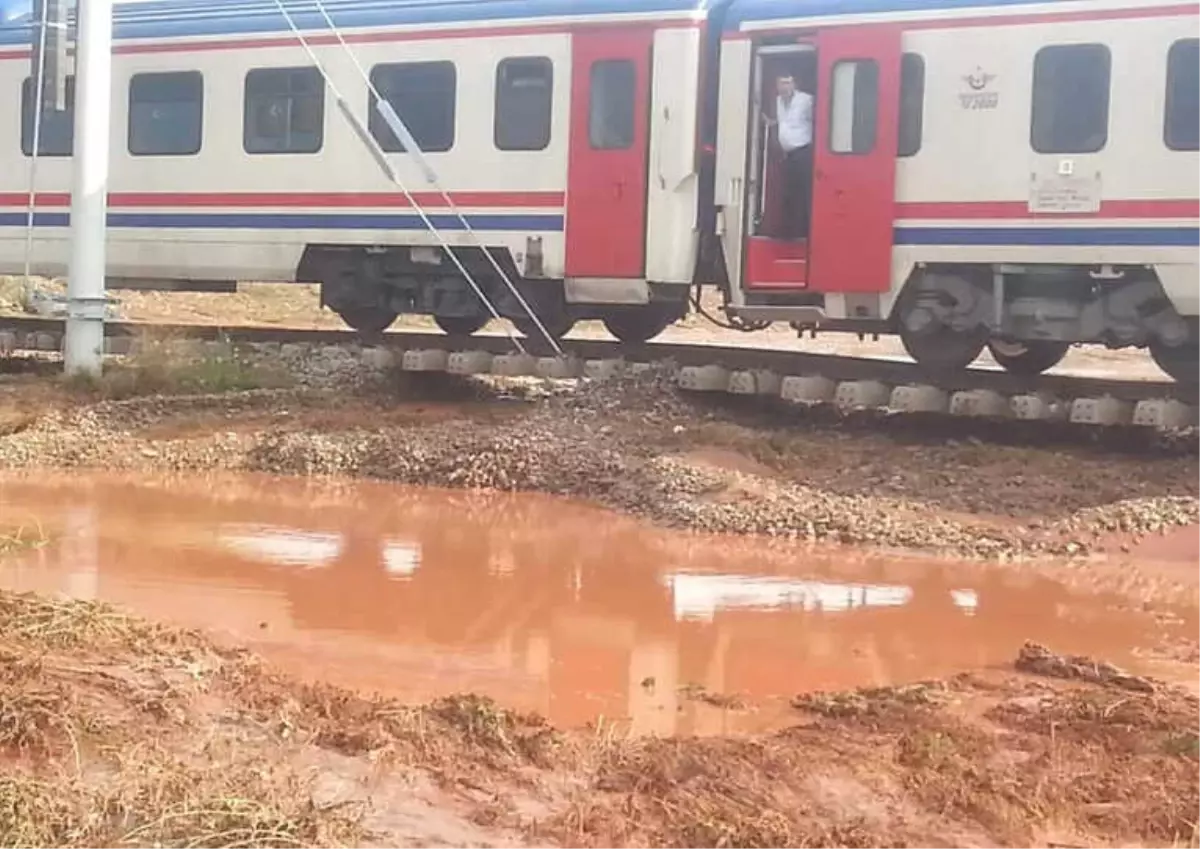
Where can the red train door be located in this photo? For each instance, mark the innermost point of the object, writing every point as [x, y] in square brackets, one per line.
[606, 168]
[854, 185]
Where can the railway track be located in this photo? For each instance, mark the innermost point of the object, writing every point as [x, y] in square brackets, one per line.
[805, 378]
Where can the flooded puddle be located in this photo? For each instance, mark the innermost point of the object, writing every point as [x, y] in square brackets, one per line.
[551, 606]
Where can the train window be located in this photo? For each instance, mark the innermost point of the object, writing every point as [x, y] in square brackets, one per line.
[284, 111]
[912, 103]
[423, 97]
[524, 88]
[1070, 98]
[853, 106]
[56, 135]
[612, 94]
[1181, 128]
[166, 113]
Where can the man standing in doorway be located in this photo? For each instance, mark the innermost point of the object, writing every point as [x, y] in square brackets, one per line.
[794, 122]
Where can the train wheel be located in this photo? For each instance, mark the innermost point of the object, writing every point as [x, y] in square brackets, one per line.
[1027, 358]
[1181, 362]
[460, 325]
[635, 326]
[943, 349]
[368, 319]
[557, 325]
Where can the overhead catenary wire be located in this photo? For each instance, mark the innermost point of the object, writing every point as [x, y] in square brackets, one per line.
[381, 159]
[394, 120]
[377, 152]
[39, 85]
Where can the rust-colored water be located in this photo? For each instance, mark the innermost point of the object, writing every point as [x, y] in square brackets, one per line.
[546, 605]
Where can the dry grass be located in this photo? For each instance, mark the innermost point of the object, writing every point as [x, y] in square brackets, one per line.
[156, 800]
[118, 732]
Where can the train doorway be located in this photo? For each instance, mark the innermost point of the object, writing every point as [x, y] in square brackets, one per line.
[844, 241]
[781, 182]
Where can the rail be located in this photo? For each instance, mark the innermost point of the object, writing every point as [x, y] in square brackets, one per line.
[795, 376]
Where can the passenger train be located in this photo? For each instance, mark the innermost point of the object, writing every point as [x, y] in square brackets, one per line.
[1018, 175]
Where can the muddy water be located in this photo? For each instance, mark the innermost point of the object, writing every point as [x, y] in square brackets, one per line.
[546, 605]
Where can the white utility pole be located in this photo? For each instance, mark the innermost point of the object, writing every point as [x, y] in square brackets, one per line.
[89, 194]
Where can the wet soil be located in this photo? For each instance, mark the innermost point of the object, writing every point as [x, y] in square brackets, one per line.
[636, 444]
[558, 607]
[120, 732]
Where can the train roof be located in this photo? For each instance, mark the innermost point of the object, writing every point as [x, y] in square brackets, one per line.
[184, 18]
[742, 12]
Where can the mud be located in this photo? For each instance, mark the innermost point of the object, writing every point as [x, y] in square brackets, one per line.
[553, 606]
[182, 743]
[636, 445]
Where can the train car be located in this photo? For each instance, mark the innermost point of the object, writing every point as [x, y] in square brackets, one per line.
[1013, 174]
[560, 132]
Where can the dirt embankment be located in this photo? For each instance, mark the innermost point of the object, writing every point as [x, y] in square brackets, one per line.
[636, 444]
[117, 732]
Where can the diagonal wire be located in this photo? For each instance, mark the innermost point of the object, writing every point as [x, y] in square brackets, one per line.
[365, 136]
[431, 176]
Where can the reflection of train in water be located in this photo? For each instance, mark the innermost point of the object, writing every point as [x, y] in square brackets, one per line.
[552, 607]
[1012, 174]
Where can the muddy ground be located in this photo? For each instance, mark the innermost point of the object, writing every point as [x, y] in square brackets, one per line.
[120, 732]
[636, 444]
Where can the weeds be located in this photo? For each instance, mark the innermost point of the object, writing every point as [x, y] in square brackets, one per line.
[175, 366]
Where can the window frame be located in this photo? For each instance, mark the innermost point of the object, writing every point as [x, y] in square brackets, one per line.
[378, 127]
[1055, 150]
[28, 96]
[129, 126]
[292, 71]
[592, 126]
[545, 63]
[911, 60]
[1168, 99]
[833, 100]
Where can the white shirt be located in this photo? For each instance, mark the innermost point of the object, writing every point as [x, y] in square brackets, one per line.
[795, 120]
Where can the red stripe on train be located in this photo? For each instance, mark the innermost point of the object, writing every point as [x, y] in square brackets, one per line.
[300, 199]
[966, 21]
[193, 43]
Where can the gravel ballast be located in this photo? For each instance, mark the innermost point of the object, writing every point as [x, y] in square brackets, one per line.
[634, 444]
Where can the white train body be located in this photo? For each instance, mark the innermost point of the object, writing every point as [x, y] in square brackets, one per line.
[966, 209]
[224, 211]
[1004, 173]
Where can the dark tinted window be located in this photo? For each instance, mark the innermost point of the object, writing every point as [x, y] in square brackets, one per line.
[611, 99]
[1182, 125]
[912, 103]
[524, 88]
[285, 111]
[166, 113]
[1070, 98]
[56, 135]
[854, 106]
[423, 96]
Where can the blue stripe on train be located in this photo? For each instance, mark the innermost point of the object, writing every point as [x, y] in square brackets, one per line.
[301, 221]
[1145, 237]
[541, 222]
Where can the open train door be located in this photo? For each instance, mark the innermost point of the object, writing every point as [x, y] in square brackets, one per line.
[606, 170]
[854, 179]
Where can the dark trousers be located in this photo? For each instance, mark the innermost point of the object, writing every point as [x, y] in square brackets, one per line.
[797, 192]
